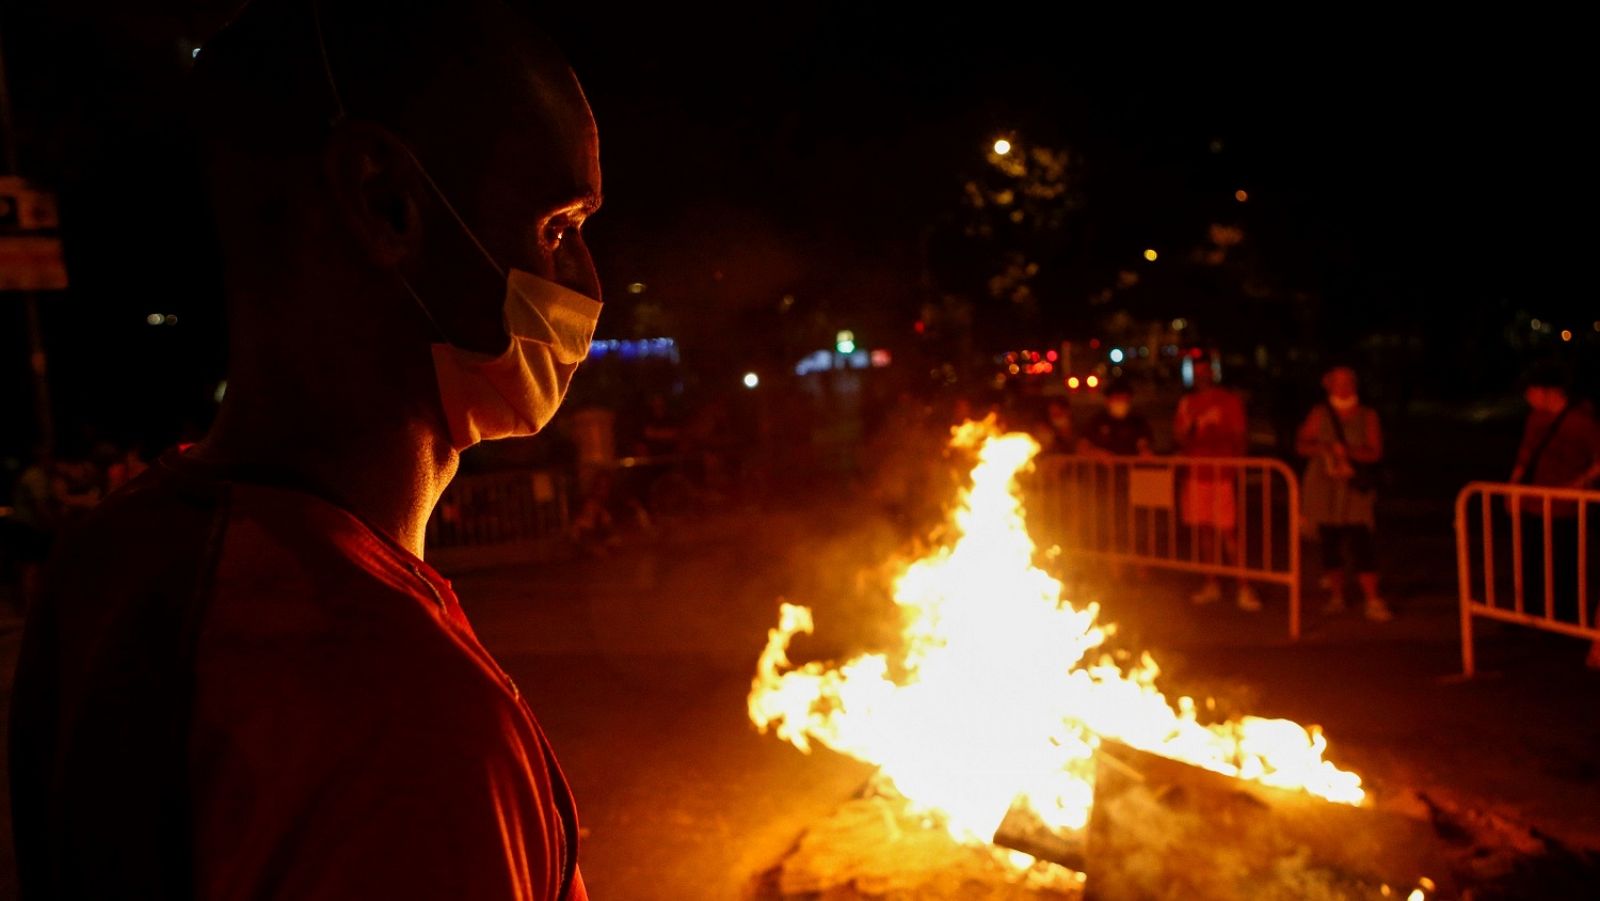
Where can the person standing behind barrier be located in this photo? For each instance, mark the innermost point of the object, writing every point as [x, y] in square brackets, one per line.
[1341, 439]
[1117, 429]
[1561, 440]
[1211, 423]
[1058, 419]
[1560, 449]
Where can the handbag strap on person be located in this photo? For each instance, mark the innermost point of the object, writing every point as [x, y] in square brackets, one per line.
[1544, 442]
[1338, 427]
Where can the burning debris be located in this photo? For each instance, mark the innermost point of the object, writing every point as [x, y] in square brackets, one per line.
[997, 703]
[997, 694]
[874, 847]
[1162, 829]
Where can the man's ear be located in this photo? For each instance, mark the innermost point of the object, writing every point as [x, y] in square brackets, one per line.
[377, 189]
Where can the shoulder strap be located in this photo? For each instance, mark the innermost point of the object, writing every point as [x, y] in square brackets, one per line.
[1333, 419]
[1544, 442]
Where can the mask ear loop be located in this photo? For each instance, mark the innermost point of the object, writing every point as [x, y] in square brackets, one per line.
[340, 115]
[327, 68]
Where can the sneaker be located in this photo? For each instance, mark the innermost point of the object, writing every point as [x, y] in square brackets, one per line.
[1377, 611]
[1248, 601]
[1333, 584]
[1210, 594]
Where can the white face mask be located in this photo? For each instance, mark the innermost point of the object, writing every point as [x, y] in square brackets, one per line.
[517, 392]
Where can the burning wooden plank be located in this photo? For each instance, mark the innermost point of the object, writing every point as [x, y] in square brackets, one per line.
[875, 847]
[1161, 829]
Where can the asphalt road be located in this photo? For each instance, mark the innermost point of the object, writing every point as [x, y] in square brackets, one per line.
[637, 663]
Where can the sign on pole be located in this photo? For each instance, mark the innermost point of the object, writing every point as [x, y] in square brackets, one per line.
[30, 249]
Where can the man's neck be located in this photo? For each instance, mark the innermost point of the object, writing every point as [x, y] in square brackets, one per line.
[379, 457]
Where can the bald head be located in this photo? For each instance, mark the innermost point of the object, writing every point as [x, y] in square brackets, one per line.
[473, 88]
[434, 143]
[283, 70]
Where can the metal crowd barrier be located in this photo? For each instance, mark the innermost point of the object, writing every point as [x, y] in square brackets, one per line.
[490, 517]
[1154, 511]
[1525, 533]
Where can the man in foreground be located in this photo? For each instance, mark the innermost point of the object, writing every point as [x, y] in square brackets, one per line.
[241, 679]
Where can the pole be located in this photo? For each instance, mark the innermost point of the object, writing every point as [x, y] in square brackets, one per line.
[37, 361]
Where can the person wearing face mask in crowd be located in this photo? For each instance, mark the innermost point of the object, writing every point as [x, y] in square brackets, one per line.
[1342, 443]
[242, 679]
[1117, 429]
[1058, 423]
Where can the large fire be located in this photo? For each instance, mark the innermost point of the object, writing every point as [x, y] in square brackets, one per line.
[998, 694]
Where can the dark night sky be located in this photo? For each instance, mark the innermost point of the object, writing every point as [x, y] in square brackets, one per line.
[1417, 176]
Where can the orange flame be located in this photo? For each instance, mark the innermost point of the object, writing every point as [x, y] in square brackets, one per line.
[994, 697]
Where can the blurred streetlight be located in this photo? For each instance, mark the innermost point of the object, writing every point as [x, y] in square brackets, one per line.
[751, 380]
[1241, 195]
[1150, 254]
[1002, 146]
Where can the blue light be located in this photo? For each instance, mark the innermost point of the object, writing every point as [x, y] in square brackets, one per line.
[635, 349]
[816, 361]
[1116, 355]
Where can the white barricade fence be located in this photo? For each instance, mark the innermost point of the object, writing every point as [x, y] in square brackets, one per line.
[1224, 516]
[499, 509]
[1523, 556]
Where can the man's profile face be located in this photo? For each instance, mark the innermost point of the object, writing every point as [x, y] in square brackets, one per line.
[546, 210]
[530, 185]
[541, 185]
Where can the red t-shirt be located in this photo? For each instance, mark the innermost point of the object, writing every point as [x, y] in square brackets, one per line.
[236, 690]
[1211, 423]
[1568, 453]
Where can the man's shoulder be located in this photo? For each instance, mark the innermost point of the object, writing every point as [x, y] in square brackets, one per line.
[147, 531]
